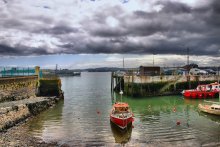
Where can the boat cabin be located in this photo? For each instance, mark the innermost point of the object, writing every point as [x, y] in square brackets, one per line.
[149, 70]
[203, 88]
[215, 107]
[215, 87]
[209, 87]
[121, 107]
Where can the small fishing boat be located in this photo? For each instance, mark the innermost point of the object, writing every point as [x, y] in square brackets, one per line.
[210, 108]
[76, 73]
[121, 115]
[203, 91]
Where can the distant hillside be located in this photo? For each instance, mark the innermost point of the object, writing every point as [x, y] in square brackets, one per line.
[100, 69]
[104, 69]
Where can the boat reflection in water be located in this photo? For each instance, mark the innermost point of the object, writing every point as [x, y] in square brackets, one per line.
[121, 136]
[211, 117]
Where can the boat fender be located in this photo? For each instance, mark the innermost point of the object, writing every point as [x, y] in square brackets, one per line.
[98, 112]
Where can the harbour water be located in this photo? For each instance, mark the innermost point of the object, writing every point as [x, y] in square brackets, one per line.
[82, 118]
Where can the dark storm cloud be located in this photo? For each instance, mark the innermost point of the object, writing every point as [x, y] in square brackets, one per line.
[25, 23]
[174, 7]
[212, 15]
[40, 19]
[176, 21]
[5, 1]
[142, 23]
[68, 46]
[6, 50]
[57, 30]
[12, 23]
[143, 14]
[21, 51]
[46, 7]
[109, 32]
[119, 40]
[170, 30]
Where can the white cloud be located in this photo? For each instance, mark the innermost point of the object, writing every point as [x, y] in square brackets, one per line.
[112, 22]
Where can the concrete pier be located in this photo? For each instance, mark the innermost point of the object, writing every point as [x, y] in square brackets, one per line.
[141, 86]
[25, 96]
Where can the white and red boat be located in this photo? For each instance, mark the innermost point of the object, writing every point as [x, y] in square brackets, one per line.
[121, 115]
[203, 91]
[211, 109]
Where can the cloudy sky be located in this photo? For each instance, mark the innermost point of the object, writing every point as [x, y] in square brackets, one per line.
[97, 33]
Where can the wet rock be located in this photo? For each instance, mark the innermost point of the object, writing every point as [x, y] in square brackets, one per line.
[14, 108]
[11, 113]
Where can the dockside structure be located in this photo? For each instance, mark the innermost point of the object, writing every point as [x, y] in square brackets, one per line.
[139, 85]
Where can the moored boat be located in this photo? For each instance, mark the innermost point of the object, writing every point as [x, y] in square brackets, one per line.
[211, 109]
[203, 91]
[76, 73]
[121, 115]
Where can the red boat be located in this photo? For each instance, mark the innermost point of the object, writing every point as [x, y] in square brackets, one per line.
[203, 91]
[121, 115]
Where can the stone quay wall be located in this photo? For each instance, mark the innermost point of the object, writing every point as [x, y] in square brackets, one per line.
[169, 78]
[25, 96]
[17, 88]
[143, 86]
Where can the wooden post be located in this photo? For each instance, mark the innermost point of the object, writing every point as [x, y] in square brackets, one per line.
[114, 81]
[111, 81]
[132, 83]
[37, 71]
[174, 85]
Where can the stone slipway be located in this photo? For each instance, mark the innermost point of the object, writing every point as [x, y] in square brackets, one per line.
[14, 112]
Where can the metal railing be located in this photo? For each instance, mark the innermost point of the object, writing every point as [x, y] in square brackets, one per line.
[17, 71]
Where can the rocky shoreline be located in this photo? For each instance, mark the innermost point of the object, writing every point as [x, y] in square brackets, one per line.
[14, 114]
[21, 98]
[19, 136]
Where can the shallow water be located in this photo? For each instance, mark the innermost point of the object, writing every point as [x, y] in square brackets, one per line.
[82, 118]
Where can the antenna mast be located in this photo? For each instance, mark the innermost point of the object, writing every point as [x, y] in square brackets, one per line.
[187, 56]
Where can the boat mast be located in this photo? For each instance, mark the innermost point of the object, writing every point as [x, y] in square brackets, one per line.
[121, 92]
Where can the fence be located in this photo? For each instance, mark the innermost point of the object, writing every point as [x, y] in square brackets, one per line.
[17, 71]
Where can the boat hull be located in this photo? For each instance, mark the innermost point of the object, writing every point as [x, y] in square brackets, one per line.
[207, 109]
[200, 94]
[121, 122]
[203, 91]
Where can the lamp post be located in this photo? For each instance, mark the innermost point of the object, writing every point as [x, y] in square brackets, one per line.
[188, 68]
[153, 57]
[187, 56]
